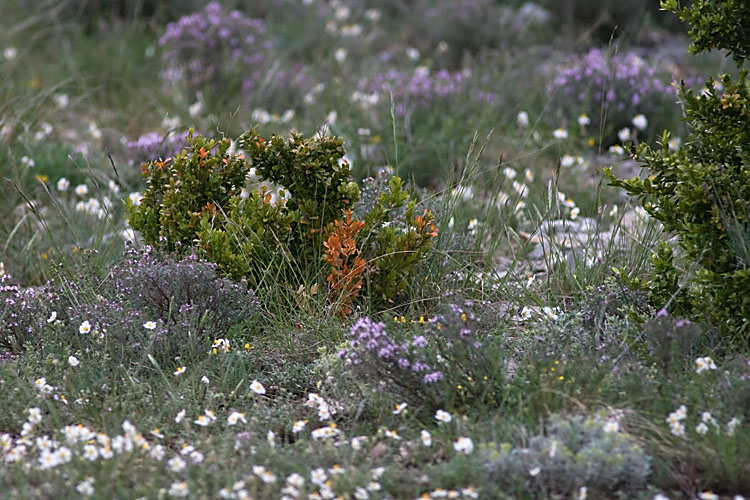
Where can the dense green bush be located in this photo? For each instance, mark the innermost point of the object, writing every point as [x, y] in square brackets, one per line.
[701, 192]
[197, 202]
[716, 24]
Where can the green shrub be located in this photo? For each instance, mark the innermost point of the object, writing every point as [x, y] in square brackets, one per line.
[195, 203]
[701, 192]
[716, 24]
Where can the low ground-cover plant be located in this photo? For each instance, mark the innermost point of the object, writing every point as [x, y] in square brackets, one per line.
[441, 363]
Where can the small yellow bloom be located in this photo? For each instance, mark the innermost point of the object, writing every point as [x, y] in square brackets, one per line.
[34, 83]
[247, 346]
[561, 377]
[463, 316]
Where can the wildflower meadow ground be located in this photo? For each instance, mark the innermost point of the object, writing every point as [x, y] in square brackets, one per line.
[184, 315]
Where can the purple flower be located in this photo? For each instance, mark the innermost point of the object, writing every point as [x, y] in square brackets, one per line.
[433, 377]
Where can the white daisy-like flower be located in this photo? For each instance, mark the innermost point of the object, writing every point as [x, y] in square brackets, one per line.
[522, 119]
[640, 122]
[426, 437]
[90, 452]
[535, 471]
[584, 120]
[295, 480]
[203, 421]
[567, 161]
[674, 143]
[617, 150]
[340, 55]
[176, 464]
[178, 418]
[624, 135]
[611, 426]
[509, 173]
[704, 363]
[399, 408]
[560, 133]
[257, 387]
[180, 370]
[149, 325]
[708, 495]
[84, 328]
[464, 445]
[443, 416]
[82, 190]
[86, 488]
[575, 213]
[318, 476]
[179, 489]
[298, 426]
[63, 184]
[73, 361]
[205, 380]
[701, 428]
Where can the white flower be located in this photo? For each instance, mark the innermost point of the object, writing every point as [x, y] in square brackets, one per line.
[298, 426]
[443, 416]
[82, 190]
[90, 452]
[701, 428]
[399, 408]
[257, 387]
[35, 415]
[560, 133]
[584, 120]
[708, 495]
[529, 175]
[640, 122]
[86, 488]
[575, 213]
[523, 119]
[357, 442]
[73, 361]
[509, 173]
[535, 471]
[659, 496]
[10, 53]
[176, 464]
[63, 184]
[235, 417]
[318, 476]
[52, 317]
[271, 438]
[583, 493]
[550, 313]
[674, 143]
[412, 53]
[703, 364]
[180, 370]
[149, 325]
[611, 426]
[624, 135]
[340, 55]
[616, 150]
[567, 161]
[84, 328]
[426, 437]
[295, 480]
[732, 425]
[372, 15]
[464, 445]
[195, 108]
[179, 489]
[179, 416]
[677, 429]
[361, 494]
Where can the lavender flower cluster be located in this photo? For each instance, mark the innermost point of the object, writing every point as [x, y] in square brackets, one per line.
[153, 146]
[212, 45]
[417, 89]
[23, 313]
[425, 362]
[371, 343]
[623, 83]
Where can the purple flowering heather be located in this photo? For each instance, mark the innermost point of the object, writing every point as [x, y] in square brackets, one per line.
[212, 45]
[428, 367]
[418, 89]
[153, 146]
[624, 83]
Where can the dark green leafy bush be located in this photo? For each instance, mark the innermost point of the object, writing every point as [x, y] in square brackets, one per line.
[716, 24]
[701, 192]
